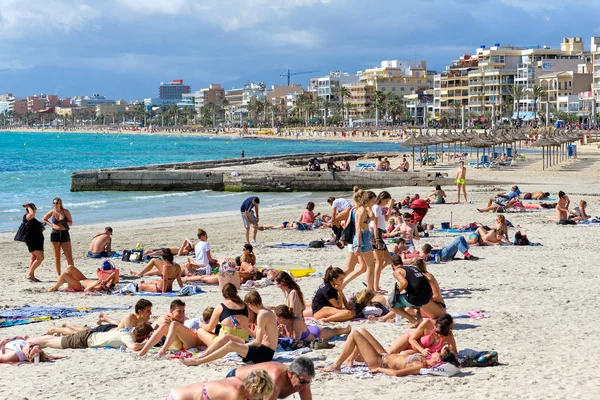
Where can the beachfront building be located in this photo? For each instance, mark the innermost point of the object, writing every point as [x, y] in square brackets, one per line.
[419, 106]
[451, 88]
[37, 103]
[328, 86]
[169, 93]
[213, 94]
[110, 111]
[359, 102]
[91, 101]
[277, 96]
[595, 51]
[251, 91]
[563, 87]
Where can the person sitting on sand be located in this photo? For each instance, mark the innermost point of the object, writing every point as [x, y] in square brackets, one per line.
[295, 327]
[161, 326]
[436, 307]
[504, 198]
[331, 166]
[17, 349]
[406, 202]
[295, 378]
[231, 315]
[413, 289]
[308, 216]
[408, 231]
[100, 246]
[379, 164]
[189, 338]
[578, 213]
[203, 257]
[89, 339]
[186, 248]
[500, 204]
[500, 225]
[169, 273]
[156, 266]
[77, 282]
[438, 196]
[143, 312]
[329, 303]
[390, 228]
[294, 298]
[481, 237]
[256, 385]
[430, 336]
[404, 166]
[376, 358]
[261, 349]
[562, 207]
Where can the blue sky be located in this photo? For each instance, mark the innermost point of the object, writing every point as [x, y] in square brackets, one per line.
[125, 48]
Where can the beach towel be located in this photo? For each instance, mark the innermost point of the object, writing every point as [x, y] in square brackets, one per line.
[175, 293]
[288, 246]
[31, 314]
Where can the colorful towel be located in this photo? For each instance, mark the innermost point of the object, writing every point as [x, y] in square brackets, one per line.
[28, 314]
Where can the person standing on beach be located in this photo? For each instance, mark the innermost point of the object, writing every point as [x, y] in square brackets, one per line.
[242, 155]
[250, 217]
[34, 240]
[461, 181]
[59, 237]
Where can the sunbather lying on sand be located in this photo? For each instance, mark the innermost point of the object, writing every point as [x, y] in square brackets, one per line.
[77, 282]
[481, 237]
[18, 349]
[376, 358]
[257, 385]
[186, 248]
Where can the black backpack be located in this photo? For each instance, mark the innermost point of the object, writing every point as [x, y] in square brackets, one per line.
[316, 244]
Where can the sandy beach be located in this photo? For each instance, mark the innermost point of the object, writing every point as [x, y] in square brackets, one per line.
[540, 300]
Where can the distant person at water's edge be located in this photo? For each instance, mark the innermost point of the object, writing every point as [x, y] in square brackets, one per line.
[242, 155]
[249, 210]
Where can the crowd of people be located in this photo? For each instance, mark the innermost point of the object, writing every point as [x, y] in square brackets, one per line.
[377, 231]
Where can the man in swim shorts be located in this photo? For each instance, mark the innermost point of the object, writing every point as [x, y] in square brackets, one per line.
[295, 378]
[100, 246]
[461, 180]
[90, 339]
[249, 211]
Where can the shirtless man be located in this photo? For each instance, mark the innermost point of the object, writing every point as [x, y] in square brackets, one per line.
[295, 378]
[161, 326]
[100, 246]
[260, 350]
[461, 181]
[143, 312]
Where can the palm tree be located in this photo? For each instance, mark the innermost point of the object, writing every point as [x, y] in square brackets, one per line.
[517, 93]
[378, 100]
[326, 105]
[224, 105]
[536, 92]
[344, 92]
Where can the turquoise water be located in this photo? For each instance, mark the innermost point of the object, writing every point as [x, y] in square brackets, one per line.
[36, 167]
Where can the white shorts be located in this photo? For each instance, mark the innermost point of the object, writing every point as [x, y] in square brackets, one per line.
[252, 220]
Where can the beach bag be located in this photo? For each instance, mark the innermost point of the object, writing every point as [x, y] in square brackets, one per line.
[126, 255]
[349, 230]
[228, 273]
[106, 270]
[316, 244]
[136, 255]
[21, 235]
[520, 239]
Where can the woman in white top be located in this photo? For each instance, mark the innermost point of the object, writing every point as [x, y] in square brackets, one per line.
[378, 227]
[16, 349]
[340, 209]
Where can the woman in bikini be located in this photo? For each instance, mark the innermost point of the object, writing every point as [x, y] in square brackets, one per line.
[231, 315]
[370, 350]
[294, 298]
[185, 249]
[77, 282]
[169, 273]
[562, 207]
[294, 327]
[257, 385]
[430, 336]
[578, 213]
[438, 196]
[481, 237]
[60, 220]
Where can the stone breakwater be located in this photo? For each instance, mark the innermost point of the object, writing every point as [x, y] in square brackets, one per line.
[284, 173]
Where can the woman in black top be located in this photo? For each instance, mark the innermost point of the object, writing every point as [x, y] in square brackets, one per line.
[416, 286]
[34, 240]
[329, 303]
[231, 315]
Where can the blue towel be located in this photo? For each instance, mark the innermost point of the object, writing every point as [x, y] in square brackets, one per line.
[168, 294]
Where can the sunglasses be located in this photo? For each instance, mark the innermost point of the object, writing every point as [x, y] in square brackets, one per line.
[302, 381]
[55, 202]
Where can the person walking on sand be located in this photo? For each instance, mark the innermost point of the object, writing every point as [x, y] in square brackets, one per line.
[461, 181]
[34, 240]
[249, 210]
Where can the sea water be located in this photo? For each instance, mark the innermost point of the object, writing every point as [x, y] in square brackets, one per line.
[36, 167]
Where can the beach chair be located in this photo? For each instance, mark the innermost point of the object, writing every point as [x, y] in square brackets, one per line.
[366, 166]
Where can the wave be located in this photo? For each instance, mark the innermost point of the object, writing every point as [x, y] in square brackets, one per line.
[159, 196]
[87, 203]
[10, 210]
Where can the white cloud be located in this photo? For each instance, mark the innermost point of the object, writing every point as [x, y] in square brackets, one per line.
[29, 17]
[540, 5]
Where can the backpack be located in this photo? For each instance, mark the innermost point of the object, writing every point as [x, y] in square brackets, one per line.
[520, 239]
[316, 244]
[349, 230]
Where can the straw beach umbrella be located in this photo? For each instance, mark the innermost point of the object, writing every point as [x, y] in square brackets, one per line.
[479, 142]
[412, 142]
[544, 143]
